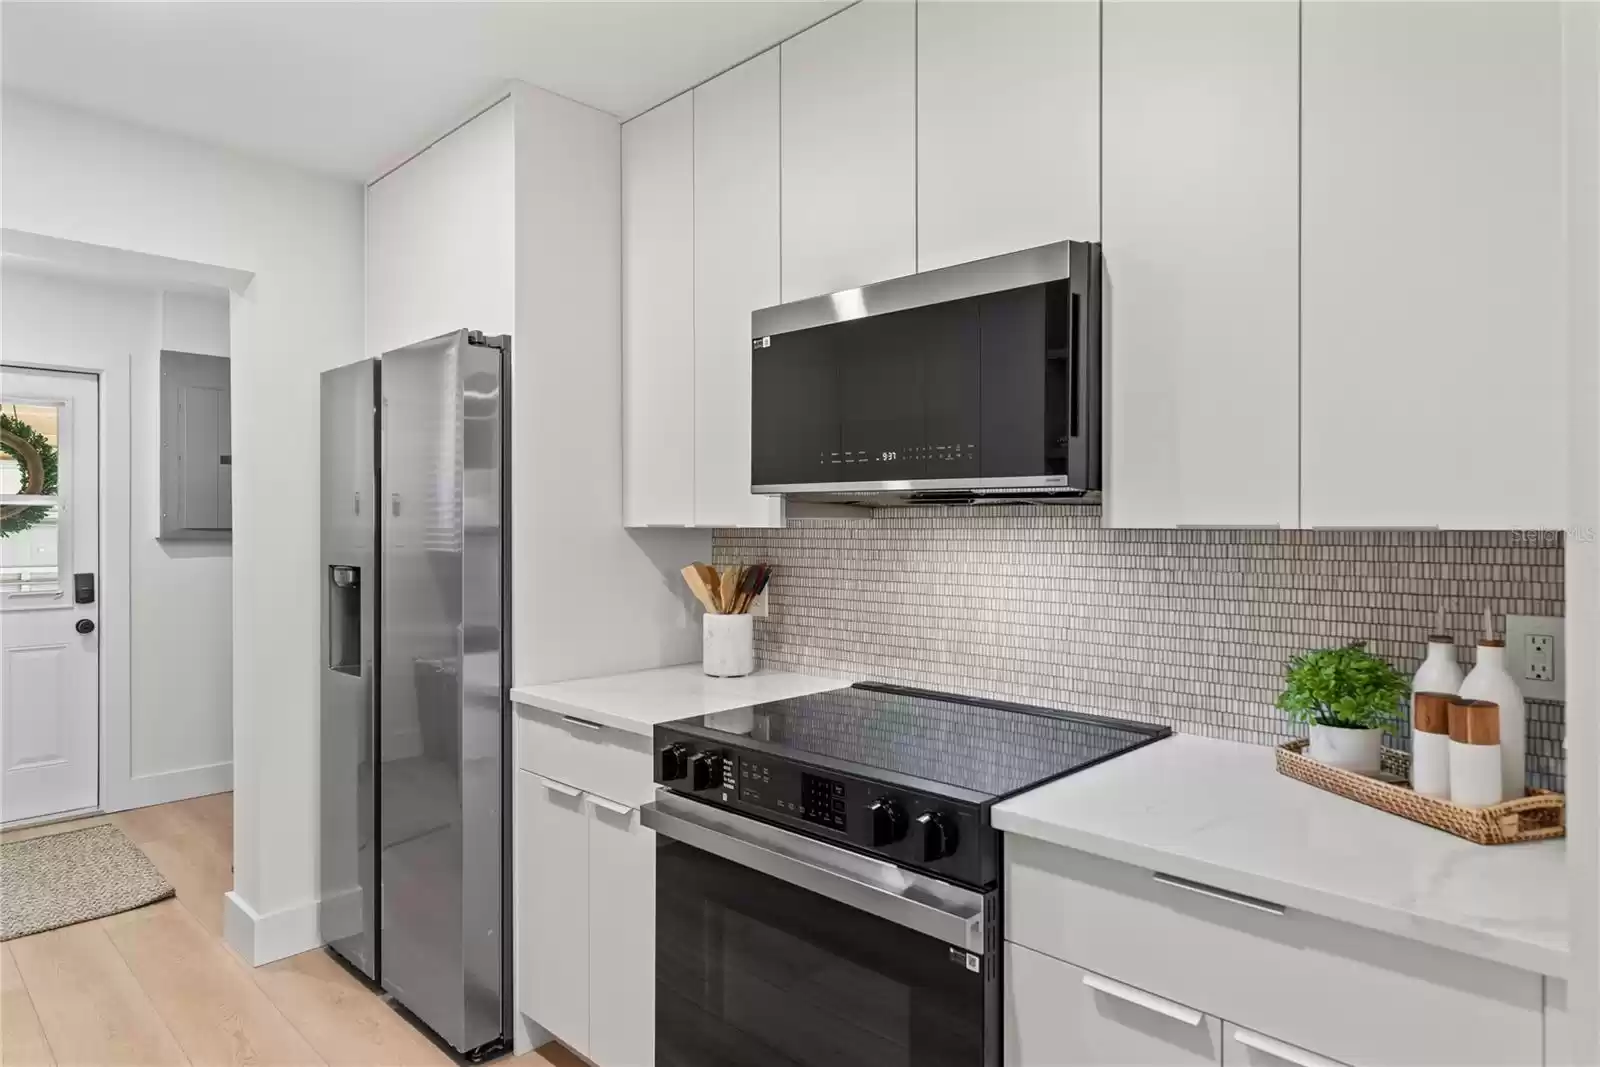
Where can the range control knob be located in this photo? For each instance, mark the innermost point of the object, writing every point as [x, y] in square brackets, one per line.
[705, 770]
[938, 832]
[674, 762]
[888, 821]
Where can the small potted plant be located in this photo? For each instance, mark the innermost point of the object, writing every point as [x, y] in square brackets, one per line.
[1346, 695]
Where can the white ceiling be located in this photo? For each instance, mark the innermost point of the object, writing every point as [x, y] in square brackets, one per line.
[349, 88]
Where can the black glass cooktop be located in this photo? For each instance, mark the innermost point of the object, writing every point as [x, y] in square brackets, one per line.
[986, 750]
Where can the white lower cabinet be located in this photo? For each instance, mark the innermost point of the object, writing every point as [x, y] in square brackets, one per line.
[586, 919]
[1058, 1015]
[554, 908]
[622, 936]
[1288, 983]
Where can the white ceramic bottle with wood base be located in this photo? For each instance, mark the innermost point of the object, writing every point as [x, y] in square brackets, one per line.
[1489, 680]
[1439, 675]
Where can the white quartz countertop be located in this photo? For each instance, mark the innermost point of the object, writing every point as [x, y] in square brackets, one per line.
[638, 701]
[1218, 812]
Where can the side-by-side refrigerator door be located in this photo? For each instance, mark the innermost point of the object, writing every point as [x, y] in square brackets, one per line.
[347, 911]
[441, 721]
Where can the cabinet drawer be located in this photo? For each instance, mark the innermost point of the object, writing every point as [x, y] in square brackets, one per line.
[1062, 1016]
[1247, 1048]
[597, 759]
[1272, 973]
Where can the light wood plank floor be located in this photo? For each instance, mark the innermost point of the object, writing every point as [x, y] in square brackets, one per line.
[158, 985]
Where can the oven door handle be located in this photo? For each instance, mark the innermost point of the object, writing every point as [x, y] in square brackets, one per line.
[942, 911]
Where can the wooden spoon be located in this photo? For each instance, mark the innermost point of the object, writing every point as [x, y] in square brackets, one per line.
[713, 584]
[730, 588]
[697, 585]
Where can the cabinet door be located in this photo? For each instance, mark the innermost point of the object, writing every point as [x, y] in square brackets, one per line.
[622, 937]
[554, 908]
[1008, 127]
[736, 265]
[849, 150]
[1061, 1016]
[658, 384]
[1433, 326]
[1251, 1048]
[440, 238]
[1201, 222]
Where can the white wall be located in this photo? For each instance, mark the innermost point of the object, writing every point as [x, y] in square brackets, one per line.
[195, 322]
[182, 717]
[67, 174]
[178, 738]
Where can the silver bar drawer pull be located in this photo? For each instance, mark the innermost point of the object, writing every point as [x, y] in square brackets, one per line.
[585, 723]
[1159, 1005]
[1214, 893]
[609, 805]
[1282, 1050]
[557, 787]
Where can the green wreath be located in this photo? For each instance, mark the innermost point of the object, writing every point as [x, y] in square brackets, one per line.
[36, 457]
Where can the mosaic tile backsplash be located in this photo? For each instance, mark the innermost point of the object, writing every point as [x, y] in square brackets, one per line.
[1191, 628]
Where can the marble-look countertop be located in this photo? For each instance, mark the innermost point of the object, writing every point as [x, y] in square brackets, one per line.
[639, 700]
[1218, 812]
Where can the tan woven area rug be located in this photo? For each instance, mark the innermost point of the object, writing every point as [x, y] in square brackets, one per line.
[72, 877]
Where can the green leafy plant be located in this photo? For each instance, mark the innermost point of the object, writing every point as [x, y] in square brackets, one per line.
[1347, 687]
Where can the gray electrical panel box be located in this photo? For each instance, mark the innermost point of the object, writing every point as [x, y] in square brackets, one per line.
[196, 456]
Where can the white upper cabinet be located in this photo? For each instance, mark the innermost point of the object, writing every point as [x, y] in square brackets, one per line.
[1200, 229]
[736, 265]
[849, 150]
[440, 238]
[1008, 127]
[658, 342]
[1432, 362]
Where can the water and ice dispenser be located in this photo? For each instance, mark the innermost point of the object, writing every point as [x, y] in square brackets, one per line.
[344, 618]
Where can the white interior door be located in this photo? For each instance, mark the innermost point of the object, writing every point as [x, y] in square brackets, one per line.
[49, 650]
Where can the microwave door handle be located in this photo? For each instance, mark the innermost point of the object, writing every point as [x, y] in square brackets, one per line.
[942, 911]
[1074, 387]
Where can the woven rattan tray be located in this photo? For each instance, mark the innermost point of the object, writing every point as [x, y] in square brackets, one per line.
[1536, 817]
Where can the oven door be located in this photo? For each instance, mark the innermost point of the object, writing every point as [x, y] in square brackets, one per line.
[775, 949]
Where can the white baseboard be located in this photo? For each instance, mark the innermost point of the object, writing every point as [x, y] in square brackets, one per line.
[260, 939]
[167, 786]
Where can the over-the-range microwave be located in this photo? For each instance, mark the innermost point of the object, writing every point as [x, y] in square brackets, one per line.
[973, 383]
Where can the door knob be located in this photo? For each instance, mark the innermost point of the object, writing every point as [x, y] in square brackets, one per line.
[84, 626]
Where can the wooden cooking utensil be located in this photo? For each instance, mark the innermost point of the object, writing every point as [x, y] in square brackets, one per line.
[730, 588]
[713, 583]
[697, 585]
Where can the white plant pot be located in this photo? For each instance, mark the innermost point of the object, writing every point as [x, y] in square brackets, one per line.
[1351, 750]
[728, 647]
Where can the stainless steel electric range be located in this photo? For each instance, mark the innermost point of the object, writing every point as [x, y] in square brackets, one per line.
[828, 880]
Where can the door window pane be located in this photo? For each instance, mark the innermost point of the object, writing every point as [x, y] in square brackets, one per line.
[30, 557]
[30, 447]
[30, 531]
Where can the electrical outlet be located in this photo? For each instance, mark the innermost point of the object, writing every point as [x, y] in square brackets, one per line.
[758, 606]
[1540, 658]
[1536, 655]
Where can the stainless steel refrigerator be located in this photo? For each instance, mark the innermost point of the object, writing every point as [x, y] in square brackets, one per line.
[415, 765]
